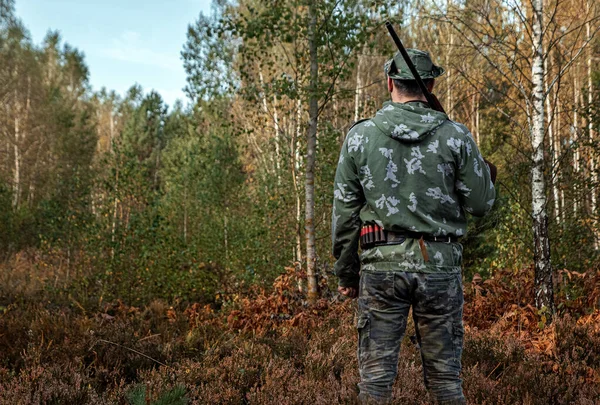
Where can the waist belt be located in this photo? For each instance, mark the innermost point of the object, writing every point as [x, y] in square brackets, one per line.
[374, 235]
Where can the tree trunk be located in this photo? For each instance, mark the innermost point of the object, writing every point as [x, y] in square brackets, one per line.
[450, 33]
[32, 173]
[185, 211]
[226, 237]
[298, 231]
[295, 170]
[112, 129]
[299, 160]
[358, 89]
[576, 141]
[157, 165]
[17, 172]
[557, 153]
[475, 118]
[551, 135]
[594, 175]
[277, 136]
[543, 269]
[17, 175]
[311, 140]
[113, 230]
[477, 115]
[277, 162]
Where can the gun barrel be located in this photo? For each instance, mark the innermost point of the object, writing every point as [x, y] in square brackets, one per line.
[433, 102]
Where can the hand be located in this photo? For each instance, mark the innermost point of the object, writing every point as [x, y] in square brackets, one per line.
[493, 170]
[349, 292]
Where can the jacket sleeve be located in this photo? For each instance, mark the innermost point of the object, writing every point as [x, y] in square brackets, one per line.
[474, 182]
[348, 199]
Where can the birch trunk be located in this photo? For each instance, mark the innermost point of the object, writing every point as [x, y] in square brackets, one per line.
[358, 89]
[576, 141]
[450, 34]
[277, 136]
[295, 157]
[33, 172]
[557, 154]
[309, 225]
[551, 135]
[17, 150]
[298, 133]
[594, 175]
[477, 115]
[31, 193]
[298, 230]
[475, 127]
[265, 105]
[112, 129]
[543, 268]
[17, 172]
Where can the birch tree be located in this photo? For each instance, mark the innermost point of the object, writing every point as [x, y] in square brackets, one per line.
[517, 47]
[591, 129]
[544, 297]
[300, 52]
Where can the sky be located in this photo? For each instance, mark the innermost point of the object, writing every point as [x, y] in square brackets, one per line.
[124, 41]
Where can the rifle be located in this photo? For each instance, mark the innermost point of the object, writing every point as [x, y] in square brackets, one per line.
[432, 100]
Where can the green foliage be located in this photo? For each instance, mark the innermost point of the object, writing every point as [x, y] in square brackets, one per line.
[188, 203]
[479, 246]
[208, 56]
[7, 219]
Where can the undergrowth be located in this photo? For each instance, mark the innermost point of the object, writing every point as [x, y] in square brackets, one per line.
[270, 347]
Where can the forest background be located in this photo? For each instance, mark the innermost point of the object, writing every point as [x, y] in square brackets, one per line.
[182, 253]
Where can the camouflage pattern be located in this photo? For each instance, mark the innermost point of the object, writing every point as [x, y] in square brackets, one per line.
[397, 68]
[383, 307]
[408, 168]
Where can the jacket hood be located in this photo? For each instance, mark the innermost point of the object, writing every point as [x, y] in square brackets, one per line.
[409, 122]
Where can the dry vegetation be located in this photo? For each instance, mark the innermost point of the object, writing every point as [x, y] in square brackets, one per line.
[270, 348]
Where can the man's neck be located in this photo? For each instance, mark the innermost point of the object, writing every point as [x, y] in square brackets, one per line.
[400, 98]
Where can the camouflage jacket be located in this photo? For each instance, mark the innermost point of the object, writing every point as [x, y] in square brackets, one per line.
[407, 168]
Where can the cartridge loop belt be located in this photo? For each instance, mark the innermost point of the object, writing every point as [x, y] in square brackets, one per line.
[374, 235]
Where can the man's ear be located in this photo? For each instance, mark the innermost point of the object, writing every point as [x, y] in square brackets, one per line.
[390, 83]
[431, 85]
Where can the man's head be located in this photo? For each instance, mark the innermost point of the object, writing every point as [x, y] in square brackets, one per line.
[401, 82]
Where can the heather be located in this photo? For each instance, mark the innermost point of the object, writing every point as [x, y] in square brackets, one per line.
[271, 347]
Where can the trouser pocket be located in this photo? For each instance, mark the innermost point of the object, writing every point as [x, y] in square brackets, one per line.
[438, 317]
[458, 330]
[363, 326]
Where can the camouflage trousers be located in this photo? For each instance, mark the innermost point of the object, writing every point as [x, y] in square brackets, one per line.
[384, 300]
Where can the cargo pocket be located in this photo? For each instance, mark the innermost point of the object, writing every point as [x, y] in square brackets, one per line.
[457, 338]
[458, 330]
[363, 327]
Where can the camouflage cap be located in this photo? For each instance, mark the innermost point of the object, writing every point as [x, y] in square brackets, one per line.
[397, 68]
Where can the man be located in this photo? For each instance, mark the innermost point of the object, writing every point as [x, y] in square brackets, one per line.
[403, 183]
